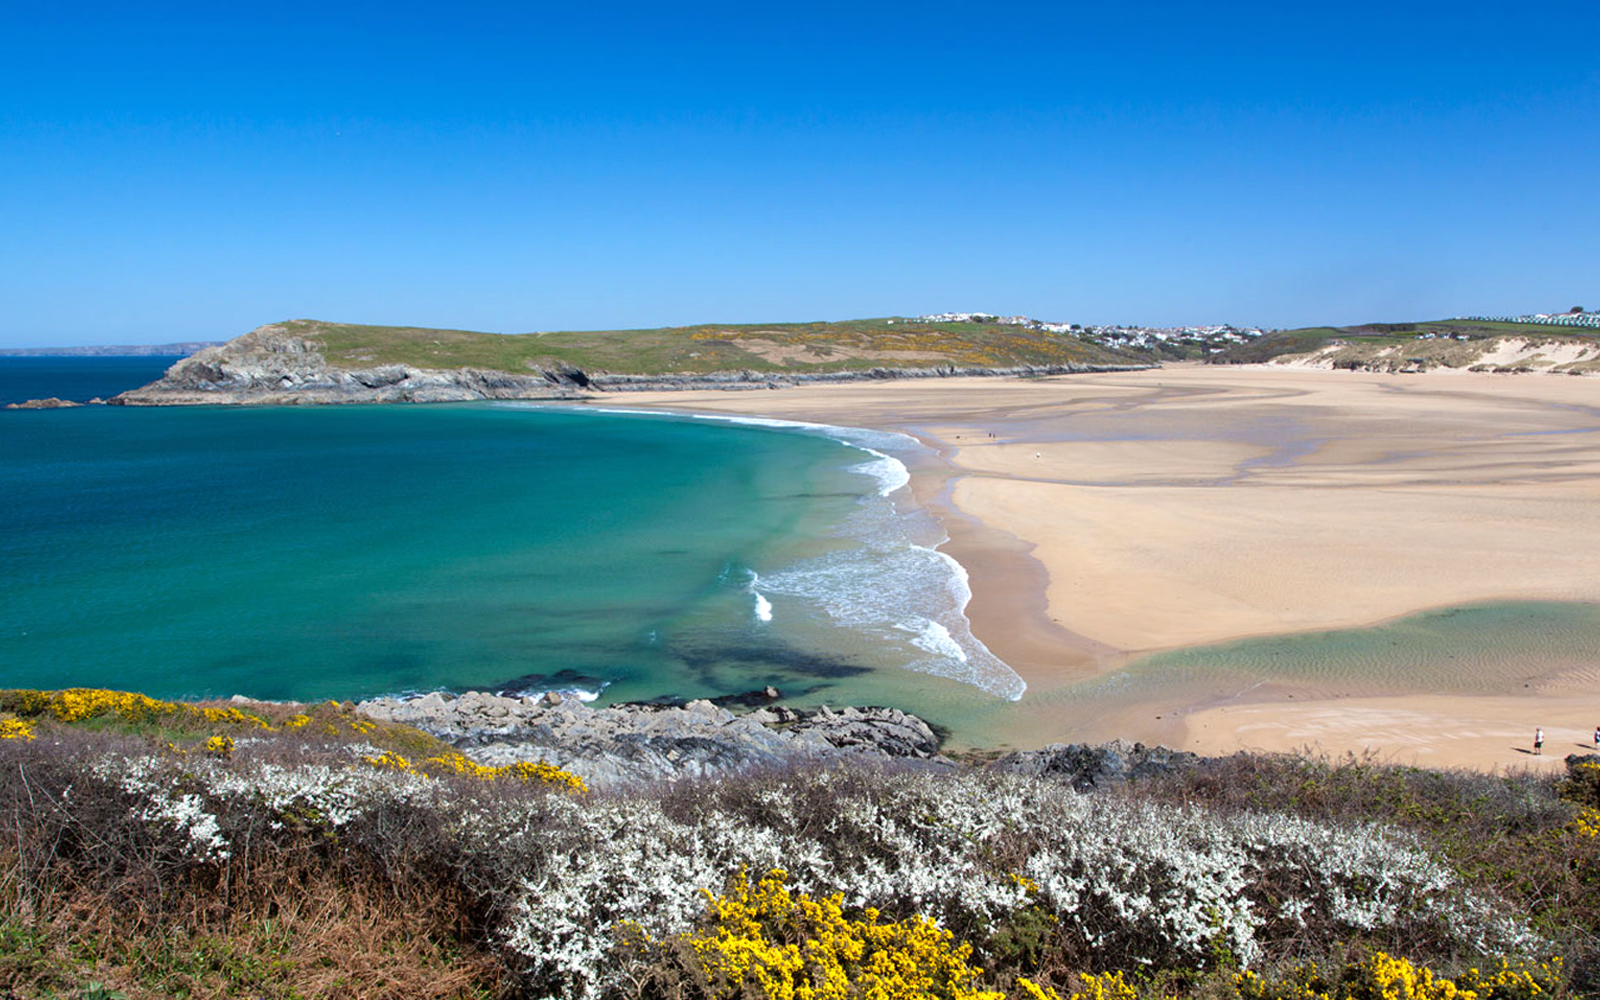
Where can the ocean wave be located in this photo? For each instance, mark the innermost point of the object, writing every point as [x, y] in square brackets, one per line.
[582, 694]
[936, 639]
[763, 606]
[534, 691]
[891, 582]
[890, 473]
[908, 598]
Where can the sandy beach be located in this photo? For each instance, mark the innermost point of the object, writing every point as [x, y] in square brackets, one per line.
[1110, 515]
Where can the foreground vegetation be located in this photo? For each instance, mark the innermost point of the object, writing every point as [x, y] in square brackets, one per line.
[851, 345]
[154, 849]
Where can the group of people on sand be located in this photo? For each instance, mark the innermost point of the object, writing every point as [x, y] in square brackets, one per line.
[1538, 739]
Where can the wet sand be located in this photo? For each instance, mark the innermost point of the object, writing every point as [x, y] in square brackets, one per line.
[1104, 516]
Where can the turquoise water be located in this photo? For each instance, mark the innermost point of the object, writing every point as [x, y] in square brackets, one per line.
[351, 551]
[77, 379]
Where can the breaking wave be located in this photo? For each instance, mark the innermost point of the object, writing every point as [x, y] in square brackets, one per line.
[890, 582]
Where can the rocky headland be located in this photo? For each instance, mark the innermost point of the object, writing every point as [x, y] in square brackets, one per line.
[272, 365]
[275, 364]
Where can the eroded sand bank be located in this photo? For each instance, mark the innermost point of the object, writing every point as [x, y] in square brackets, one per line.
[1192, 504]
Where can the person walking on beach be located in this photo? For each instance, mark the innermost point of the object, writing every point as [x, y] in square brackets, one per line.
[1538, 739]
[1597, 737]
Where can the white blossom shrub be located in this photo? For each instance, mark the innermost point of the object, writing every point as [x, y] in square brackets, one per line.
[1156, 884]
[559, 875]
[190, 793]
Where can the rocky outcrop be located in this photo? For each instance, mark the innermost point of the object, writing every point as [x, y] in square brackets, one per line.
[1087, 766]
[273, 365]
[48, 403]
[642, 742]
[649, 742]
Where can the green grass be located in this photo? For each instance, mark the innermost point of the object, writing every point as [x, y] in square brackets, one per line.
[824, 347]
[772, 347]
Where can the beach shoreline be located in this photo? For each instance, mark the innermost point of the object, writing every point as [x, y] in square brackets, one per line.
[1105, 516]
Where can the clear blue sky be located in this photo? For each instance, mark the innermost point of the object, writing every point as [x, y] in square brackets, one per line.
[178, 172]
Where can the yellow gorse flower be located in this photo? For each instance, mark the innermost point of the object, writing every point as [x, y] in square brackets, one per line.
[388, 760]
[15, 729]
[455, 762]
[770, 942]
[1521, 980]
[1033, 991]
[1382, 976]
[1028, 885]
[77, 704]
[1106, 986]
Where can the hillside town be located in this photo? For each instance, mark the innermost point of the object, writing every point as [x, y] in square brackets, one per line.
[1178, 339]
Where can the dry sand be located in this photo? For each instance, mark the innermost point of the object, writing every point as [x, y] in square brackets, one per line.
[1194, 504]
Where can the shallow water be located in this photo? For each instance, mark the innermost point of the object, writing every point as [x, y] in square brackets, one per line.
[1475, 649]
[351, 551]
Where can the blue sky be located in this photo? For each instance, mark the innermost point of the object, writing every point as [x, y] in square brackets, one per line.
[172, 172]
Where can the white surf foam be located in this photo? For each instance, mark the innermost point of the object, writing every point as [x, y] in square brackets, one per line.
[896, 591]
[763, 606]
[890, 473]
[936, 639]
[582, 694]
[888, 583]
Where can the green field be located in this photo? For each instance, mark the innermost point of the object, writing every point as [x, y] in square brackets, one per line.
[774, 347]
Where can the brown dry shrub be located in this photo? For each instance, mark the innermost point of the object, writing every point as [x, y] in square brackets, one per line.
[90, 891]
[1507, 834]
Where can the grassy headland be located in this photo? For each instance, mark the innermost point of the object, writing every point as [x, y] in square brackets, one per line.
[851, 345]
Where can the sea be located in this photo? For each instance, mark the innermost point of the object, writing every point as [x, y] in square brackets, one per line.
[342, 552]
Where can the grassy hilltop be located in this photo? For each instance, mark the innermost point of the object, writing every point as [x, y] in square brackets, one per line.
[849, 345]
[893, 342]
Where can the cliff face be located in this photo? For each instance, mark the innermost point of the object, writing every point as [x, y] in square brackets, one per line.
[272, 364]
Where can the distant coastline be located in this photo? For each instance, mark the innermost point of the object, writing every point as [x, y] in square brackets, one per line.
[319, 362]
[178, 350]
